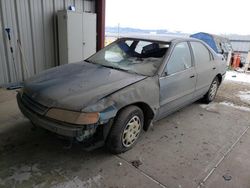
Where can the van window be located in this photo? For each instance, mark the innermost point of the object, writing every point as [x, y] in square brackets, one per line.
[180, 59]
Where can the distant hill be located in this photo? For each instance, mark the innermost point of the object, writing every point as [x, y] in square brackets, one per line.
[129, 30]
[123, 30]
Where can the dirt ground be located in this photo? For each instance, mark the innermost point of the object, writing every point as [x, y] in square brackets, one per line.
[198, 146]
[229, 91]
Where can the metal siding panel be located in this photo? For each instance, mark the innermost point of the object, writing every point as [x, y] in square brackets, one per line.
[34, 24]
[6, 21]
[48, 14]
[25, 29]
[3, 68]
[37, 27]
[58, 5]
[15, 32]
[4, 77]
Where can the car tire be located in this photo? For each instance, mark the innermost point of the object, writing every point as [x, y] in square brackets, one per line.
[126, 130]
[210, 95]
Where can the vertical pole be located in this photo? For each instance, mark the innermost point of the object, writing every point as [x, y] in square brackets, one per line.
[118, 31]
[100, 10]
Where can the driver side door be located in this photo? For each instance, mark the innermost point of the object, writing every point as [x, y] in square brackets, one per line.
[177, 86]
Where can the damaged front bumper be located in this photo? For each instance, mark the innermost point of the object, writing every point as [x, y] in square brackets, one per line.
[81, 132]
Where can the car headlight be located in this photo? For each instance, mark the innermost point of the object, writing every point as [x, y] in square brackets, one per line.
[73, 117]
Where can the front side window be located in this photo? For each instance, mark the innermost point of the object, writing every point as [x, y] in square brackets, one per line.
[180, 59]
[132, 55]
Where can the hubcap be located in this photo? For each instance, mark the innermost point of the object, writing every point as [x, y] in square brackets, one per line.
[131, 131]
[213, 90]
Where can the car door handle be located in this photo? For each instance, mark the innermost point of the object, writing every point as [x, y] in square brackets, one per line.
[214, 68]
[191, 76]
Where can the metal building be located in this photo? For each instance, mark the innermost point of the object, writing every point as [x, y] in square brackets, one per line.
[240, 44]
[28, 34]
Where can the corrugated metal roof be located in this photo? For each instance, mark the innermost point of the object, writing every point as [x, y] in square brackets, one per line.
[33, 34]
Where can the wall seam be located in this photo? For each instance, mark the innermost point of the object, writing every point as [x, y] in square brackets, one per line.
[44, 41]
[19, 39]
[5, 45]
[32, 38]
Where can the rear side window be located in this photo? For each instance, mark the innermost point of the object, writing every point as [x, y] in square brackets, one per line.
[180, 59]
[201, 54]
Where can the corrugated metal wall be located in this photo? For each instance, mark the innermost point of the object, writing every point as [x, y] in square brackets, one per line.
[33, 32]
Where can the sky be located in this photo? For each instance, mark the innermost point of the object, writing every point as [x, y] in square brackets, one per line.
[189, 16]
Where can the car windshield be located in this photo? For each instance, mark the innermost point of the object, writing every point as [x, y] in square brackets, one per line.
[132, 55]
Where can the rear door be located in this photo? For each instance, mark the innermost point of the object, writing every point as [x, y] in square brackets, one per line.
[178, 84]
[205, 67]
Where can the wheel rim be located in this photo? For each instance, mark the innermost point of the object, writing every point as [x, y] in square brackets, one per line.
[213, 90]
[131, 131]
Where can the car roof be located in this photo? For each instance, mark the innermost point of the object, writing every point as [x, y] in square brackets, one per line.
[160, 38]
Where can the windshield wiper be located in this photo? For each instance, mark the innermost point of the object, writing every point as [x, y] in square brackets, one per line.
[112, 67]
[88, 61]
[125, 70]
[117, 68]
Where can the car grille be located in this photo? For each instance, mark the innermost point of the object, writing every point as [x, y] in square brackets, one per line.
[33, 105]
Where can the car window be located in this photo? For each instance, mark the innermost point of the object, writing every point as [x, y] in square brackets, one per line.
[180, 59]
[201, 54]
[132, 55]
[140, 46]
[114, 54]
[129, 42]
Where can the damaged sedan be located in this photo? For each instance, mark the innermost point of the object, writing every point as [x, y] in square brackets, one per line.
[110, 98]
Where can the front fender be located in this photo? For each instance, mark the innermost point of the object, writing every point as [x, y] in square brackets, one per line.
[145, 91]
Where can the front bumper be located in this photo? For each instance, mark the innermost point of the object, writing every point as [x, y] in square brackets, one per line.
[59, 128]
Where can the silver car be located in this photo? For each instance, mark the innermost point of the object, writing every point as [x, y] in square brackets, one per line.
[111, 97]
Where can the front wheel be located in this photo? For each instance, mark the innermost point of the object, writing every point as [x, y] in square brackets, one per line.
[126, 130]
[210, 95]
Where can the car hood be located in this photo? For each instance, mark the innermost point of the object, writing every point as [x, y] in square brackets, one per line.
[75, 86]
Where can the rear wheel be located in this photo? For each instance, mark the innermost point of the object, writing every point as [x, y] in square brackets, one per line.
[125, 130]
[210, 95]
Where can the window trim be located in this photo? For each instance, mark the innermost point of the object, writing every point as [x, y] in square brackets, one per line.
[180, 72]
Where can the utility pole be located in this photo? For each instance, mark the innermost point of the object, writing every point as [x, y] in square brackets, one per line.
[118, 31]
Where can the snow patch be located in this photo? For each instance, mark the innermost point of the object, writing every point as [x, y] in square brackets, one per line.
[76, 182]
[210, 106]
[243, 108]
[237, 77]
[213, 106]
[244, 96]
